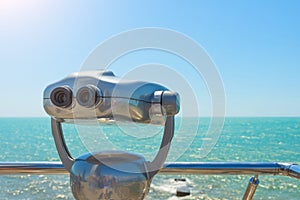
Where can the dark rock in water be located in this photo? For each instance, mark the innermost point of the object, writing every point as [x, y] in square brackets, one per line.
[183, 191]
[179, 179]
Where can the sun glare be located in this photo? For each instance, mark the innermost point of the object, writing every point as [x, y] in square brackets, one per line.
[14, 8]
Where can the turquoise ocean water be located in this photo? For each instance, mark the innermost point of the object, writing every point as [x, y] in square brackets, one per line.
[242, 139]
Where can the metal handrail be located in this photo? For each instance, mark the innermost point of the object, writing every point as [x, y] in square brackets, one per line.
[205, 168]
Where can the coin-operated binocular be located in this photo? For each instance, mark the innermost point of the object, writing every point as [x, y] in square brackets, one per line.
[103, 96]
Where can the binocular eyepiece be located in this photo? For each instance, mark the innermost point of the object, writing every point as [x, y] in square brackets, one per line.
[86, 96]
[102, 95]
[62, 96]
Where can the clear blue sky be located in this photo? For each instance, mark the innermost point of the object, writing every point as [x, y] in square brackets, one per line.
[255, 45]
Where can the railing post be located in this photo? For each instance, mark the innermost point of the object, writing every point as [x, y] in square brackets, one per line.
[252, 185]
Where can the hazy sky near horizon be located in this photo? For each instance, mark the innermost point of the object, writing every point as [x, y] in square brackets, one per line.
[254, 44]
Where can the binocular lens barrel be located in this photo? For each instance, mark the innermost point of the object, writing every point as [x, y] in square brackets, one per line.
[61, 96]
[88, 96]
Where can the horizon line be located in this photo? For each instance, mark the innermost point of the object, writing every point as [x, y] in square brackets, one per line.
[228, 116]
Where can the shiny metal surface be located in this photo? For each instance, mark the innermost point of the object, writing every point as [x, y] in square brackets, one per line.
[232, 168]
[9, 168]
[61, 146]
[292, 171]
[87, 182]
[197, 168]
[109, 175]
[251, 188]
[100, 94]
[113, 172]
[152, 167]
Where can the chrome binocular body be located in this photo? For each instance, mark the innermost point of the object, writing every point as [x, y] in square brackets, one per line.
[102, 95]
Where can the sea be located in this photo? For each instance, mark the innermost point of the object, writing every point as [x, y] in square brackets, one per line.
[247, 139]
